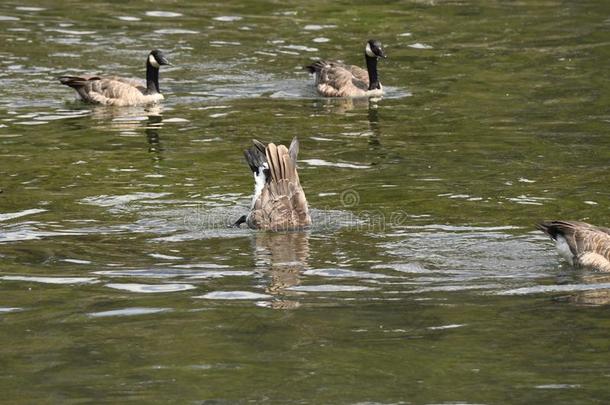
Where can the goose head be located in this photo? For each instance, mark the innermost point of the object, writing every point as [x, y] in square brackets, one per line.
[374, 49]
[156, 59]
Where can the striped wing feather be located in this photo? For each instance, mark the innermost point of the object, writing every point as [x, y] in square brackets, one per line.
[137, 83]
[359, 74]
[335, 79]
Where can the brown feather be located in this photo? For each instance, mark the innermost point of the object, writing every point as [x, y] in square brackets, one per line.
[282, 204]
[338, 80]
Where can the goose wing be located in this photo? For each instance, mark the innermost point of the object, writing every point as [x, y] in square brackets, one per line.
[359, 74]
[336, 79]
[137, 83]
[79, 83]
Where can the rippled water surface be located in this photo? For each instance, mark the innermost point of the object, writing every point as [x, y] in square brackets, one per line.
[422, 279]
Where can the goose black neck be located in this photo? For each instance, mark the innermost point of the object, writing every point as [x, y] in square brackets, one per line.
[152, 79]
[371, 67]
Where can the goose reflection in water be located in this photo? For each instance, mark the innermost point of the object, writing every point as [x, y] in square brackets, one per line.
[342, 105]
[281, 258]
[131, 120]
[127, 119]
[152, 135]
[374, 127]
[346, 105]
[593, 297]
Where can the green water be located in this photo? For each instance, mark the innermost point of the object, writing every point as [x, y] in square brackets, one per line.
[422, 280]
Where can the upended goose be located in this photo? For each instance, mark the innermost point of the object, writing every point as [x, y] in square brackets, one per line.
[581, 244]
[120, 91]
[335, 79]
[279, 202]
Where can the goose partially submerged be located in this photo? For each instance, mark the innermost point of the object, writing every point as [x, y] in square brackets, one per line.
[279, 202]
[120, 91]
[335, 79]
[581, 244]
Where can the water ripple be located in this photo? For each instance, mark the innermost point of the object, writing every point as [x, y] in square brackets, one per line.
[52, 280]
[133, 311]
[151, 288]
[129, 18]
[344, 273]
[330, 288]
[174, 31]
[318, 27]
[25, 8]
[163, 14]
[118, 200]
[228, 18]
[233, 295]
[321, 162]
[6, 310]
[13, 215]
[538, 289]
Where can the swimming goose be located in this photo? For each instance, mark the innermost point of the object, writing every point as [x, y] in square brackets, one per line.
[581, 244]
[279, 202]
[335, 79]
[120, 91]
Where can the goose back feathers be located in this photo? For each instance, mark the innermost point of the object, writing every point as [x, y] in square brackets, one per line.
[336, 79]
[118, 91]
[580, 243]
[279, 202]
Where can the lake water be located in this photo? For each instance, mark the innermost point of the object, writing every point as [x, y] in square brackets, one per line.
[422, 280]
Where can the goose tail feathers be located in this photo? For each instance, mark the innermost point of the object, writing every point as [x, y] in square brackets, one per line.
[316, 67]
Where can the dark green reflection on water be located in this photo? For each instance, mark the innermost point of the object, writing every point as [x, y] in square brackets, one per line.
[422, 281]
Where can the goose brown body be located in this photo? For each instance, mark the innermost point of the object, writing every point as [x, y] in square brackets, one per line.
[119, 91]
[580, 243]
[279, 202]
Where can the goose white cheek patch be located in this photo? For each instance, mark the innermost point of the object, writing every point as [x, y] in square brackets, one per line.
[369, 51]
[153, 61]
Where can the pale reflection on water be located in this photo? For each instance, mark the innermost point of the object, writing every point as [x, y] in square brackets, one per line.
[282, 258]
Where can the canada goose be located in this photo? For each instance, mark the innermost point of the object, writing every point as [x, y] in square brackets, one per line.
[279, 202]
[335, 79]
[120, 91]
[580, 243]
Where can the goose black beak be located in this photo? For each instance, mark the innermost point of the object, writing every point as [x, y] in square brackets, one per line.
[240, 221]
